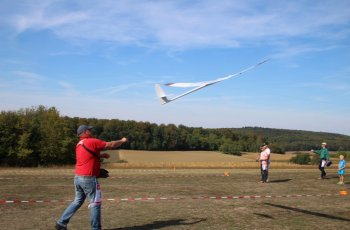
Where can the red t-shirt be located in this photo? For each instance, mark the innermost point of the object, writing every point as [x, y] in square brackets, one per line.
[86, 163]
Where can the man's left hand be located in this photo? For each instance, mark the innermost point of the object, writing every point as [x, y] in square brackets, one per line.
[104, 155]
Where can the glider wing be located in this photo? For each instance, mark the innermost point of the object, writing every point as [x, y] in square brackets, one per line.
[198, 85]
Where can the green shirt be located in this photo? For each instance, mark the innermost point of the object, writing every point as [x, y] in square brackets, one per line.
[324, 154]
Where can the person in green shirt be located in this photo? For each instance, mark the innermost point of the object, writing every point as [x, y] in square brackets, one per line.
[324, 157]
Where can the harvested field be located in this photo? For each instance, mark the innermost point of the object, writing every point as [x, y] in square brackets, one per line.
[194, 159]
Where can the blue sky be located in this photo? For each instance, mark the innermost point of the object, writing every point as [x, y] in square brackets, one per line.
[101, 59]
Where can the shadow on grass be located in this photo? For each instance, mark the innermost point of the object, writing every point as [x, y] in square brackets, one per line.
[308, 212]
[331, 177]
[279, 181]
[160, 224]
[263, 215]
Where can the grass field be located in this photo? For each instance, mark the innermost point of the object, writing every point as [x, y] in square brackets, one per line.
[193, 205]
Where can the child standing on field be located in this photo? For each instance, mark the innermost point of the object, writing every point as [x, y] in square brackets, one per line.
[341, 169]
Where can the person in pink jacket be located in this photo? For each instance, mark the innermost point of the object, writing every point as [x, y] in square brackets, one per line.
[264, 159]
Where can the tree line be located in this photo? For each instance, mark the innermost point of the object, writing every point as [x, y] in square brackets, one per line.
[39, 136]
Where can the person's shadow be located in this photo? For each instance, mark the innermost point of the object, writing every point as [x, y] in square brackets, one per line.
[160, 224]
[313, 213]
[279, 181]
[263, 215]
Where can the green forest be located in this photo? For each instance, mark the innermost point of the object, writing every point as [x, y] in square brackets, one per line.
[40, 136]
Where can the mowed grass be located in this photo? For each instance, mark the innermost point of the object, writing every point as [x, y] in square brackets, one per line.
[306, 212]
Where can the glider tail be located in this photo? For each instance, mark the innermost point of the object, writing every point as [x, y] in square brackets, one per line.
[161, 95]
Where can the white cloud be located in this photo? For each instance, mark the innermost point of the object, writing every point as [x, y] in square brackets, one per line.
[28, 77]
[131, 87]
[69, 89]
[39, 15]
[183, 24]
[290, 50]
[337, 83]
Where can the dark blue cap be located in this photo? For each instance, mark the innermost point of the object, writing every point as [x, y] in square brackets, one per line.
[82, 129]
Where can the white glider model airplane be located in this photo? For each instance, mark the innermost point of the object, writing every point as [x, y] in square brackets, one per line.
[198, 85]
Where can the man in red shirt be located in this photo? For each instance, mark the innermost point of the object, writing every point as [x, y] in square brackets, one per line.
[87, 169]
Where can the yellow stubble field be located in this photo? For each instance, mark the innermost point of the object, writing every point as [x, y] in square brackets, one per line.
[193, 159]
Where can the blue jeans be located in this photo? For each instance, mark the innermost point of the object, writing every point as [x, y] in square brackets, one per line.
[85, 187]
